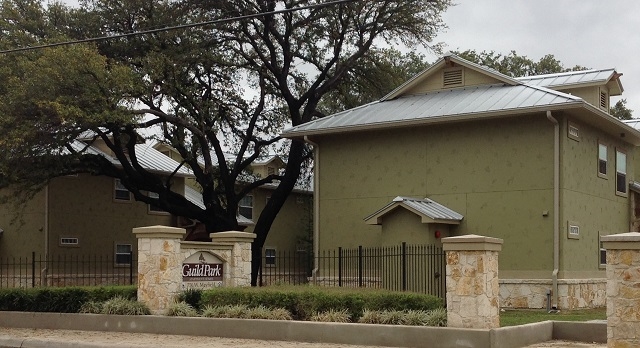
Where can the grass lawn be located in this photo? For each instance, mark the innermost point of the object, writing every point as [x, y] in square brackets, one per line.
[524, 316]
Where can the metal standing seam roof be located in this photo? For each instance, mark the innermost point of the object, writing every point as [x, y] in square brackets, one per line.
[195, 197]
[432, 106]
[426, 207]
[569, 79]
[148, 157]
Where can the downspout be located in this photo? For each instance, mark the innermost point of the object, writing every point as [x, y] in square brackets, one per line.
[556, 210]
[45, 270]
[316, 207]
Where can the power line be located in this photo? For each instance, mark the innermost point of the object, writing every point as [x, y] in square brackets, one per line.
[184, 26]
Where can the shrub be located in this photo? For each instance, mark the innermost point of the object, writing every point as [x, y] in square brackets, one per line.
[191, 297]
[437, 317]
[93, 307]
[228, 311]
[181, 309]
[61, 300]
[304, 301]
[123, 306]
[336, 316]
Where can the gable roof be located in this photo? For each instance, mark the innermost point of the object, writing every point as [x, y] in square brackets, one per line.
[429, 210]
[195, 197]
[149, 158]
[576, 79]
[510, 97]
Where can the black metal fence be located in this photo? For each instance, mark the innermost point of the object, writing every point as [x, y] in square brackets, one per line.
[415, 268]
[67, 270]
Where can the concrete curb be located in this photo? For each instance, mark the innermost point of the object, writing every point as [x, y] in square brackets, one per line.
[340, 333]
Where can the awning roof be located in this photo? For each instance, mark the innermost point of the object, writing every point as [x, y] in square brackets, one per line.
[429, 210]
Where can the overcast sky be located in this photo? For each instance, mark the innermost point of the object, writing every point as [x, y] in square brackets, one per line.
[591, 33]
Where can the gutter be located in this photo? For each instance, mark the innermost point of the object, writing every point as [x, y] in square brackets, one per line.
[316, 207]
[556, 210]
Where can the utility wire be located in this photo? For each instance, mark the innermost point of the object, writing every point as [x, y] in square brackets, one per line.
[184, 26]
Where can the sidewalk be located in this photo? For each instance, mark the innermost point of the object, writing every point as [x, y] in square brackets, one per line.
[41, 338]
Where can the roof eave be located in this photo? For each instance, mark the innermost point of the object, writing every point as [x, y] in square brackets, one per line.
[433, 120]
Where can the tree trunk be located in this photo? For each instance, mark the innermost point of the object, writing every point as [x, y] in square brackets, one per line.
[277, 200]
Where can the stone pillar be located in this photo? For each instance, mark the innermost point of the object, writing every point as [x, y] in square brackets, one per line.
[472, 281]
[159, 265]
[623, 289]
[240, 261]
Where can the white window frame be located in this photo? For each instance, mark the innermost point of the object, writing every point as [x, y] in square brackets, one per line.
[118, 187]
[270, 257]
[242, 204]
[602, 252]
[118, 252]
[69, 242]
[603, 158]
[621, 156]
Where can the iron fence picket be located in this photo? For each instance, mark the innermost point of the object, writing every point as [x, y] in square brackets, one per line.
[405, 267]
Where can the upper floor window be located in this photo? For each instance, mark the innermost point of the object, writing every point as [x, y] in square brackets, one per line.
[602, 160]
[245, 206]
[120, 192]
[152, 207]
[621, 172]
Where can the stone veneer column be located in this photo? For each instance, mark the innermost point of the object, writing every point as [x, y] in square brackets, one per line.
[159, 265]
[623, 289]
[472, 281]
[239, 265]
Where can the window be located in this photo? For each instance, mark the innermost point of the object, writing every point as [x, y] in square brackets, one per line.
[602, 257]
[120, 192]
[123, 254]
[270, 257]
[602, 160]
[68, 241]
[621, 172]
[152, 207]
[271, 171]
[245, 207]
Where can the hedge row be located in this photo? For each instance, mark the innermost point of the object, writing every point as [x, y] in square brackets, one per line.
[305, 301]
[60, 300]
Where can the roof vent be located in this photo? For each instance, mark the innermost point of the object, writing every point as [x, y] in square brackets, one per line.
[603, 100]
[452, 77]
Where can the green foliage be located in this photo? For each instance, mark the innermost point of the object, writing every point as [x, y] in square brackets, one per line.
[620, 110]
[245, 312]
[191, 297]
[61, 300]
[332, 315]
[123, 306]
[434, 317]
[305, 301]
[515, 65]
[181, 309]
[92, 307]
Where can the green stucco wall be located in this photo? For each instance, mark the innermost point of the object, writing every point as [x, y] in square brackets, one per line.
[497, 173]
[589, 200]
[23, 227]
[293, 225]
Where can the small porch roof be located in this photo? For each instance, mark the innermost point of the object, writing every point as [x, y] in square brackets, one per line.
[429, 211]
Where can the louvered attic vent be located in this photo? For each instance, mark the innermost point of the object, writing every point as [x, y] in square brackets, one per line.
[452, 78]
[603, 100]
